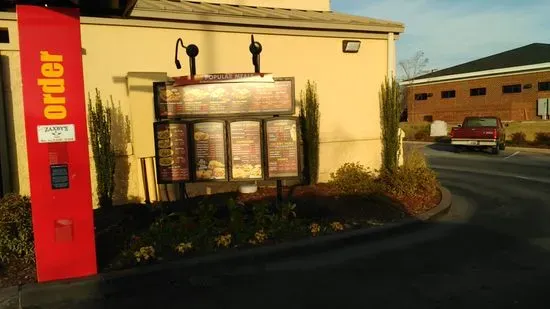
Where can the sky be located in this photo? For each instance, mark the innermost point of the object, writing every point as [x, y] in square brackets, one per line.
[451, 32]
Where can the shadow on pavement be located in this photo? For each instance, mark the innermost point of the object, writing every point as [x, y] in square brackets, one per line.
[495, 253]
[450, 148]
[472, 265]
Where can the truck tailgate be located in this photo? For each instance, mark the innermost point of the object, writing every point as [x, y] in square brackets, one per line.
[474, 133]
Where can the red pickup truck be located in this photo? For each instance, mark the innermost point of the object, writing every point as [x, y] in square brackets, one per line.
[479, 133]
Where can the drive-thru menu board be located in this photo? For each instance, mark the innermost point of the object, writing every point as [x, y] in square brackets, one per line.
[221, 139]
[282, 148]
[210, 154]
[246, 149]
[224, 99]
[172, 152]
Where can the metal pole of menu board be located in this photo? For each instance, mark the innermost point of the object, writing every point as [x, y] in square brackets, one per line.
[256, 49]
[192, 52]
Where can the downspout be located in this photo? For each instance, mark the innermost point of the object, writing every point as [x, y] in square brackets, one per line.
[5, 179]
[391, 74]
[391, 55]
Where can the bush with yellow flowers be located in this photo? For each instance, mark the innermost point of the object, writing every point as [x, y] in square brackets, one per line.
[337, 226]
[223, 240]
[259, 238]
[315, 229]
[145, 254]
[184, 247]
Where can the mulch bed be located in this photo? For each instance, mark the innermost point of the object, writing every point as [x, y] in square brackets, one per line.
[115, 227]
[17, 272]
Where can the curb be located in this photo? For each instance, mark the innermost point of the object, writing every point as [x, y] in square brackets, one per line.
[102, 286]
[511, 148]
[533, 150]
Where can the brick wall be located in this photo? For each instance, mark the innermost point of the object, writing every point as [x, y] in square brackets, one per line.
[507, 106]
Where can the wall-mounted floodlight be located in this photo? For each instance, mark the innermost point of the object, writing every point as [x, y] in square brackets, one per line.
[349, 46]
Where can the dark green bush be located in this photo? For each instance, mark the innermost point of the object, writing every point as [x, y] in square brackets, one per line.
[354, 178]
[309, 125]
[237, 224]
[390, 112]
[261, 215]
[518, 138]
[16, 232]
[542, 138]
[99, 121]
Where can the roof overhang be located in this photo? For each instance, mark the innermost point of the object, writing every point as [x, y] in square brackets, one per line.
[235, 15]
[480, 74]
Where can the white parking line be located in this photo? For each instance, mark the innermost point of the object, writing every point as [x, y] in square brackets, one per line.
[514, 154]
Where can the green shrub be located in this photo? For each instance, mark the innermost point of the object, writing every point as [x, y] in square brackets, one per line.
[207, 225]
[518, 138]
[411, 180]
[422, 135]
[261, 216]
[237, 224]
[390, 111]
[16, 232]
[542, 138]
[309, 125]
[353, 178]
[99, 121]
[284, 223]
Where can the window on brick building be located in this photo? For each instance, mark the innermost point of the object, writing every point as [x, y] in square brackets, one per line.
[448, 94]
[544, 86]
[478, 91]
[420, 96]
[511, 88]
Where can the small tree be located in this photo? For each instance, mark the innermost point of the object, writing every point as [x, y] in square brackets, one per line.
[309, 124]
[99, 119]
[390, 109]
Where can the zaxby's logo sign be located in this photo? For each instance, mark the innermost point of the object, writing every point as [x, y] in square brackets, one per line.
[56, 133]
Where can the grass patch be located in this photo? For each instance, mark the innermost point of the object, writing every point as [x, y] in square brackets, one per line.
[530, 129]
[521, 134]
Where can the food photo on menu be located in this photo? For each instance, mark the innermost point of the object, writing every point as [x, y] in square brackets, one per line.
[209, 151]
[246, 150]
[282, 148]
[164, 148]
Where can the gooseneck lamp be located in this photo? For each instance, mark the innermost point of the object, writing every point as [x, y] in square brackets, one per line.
[192, 52]
[256, 49]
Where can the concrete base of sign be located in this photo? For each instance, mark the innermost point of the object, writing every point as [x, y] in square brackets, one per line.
[247, 189]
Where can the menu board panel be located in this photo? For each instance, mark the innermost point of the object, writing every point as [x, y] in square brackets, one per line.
[224, 98]
[282, 148]
[172, 152]
[246, 149]
[210, 148]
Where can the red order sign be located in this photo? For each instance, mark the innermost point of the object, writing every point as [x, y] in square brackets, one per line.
[57, 141]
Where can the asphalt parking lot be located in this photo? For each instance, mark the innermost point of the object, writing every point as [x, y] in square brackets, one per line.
[491, 250]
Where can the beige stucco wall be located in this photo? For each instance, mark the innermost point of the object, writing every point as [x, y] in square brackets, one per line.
[347, 84]
[318, 5]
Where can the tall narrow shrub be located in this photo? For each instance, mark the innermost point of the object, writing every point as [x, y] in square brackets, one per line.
[390, 110]
[309, 124]
[99, 120]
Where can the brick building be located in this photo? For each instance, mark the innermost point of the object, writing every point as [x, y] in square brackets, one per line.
[513, 85]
